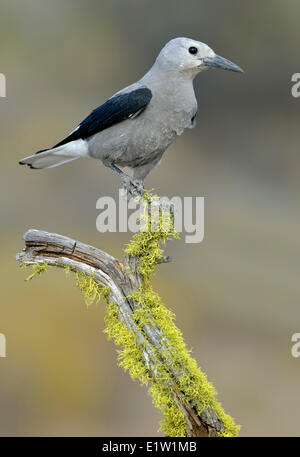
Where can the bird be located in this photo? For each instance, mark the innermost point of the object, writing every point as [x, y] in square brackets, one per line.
[134, 127]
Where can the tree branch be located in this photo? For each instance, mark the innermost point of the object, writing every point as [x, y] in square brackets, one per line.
[123, 279]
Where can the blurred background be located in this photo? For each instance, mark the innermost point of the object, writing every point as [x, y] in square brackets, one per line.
[236, 294]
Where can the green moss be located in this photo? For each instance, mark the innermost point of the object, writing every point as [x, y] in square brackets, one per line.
[147, 246]
[38, 268]
[91, 290]
[191, 381]
[130, 356]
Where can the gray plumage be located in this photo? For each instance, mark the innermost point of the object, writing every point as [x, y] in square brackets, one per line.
[135, 126]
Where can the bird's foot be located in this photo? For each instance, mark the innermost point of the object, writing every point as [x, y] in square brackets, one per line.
[133, 187]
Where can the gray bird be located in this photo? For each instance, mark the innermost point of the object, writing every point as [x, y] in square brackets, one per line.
[136, 125]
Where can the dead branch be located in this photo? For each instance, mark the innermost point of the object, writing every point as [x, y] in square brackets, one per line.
[122, 278]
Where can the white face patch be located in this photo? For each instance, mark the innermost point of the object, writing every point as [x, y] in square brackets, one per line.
[205, 51]
[211, 53]
[176, 55]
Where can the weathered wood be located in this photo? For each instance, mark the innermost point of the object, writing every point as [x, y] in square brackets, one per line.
[122, 278]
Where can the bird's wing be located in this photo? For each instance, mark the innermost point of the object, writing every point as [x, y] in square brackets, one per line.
[118, 108]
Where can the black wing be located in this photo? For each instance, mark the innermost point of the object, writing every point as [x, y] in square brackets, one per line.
[116, 109]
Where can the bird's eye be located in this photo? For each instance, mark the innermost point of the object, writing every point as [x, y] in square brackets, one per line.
[193, 50]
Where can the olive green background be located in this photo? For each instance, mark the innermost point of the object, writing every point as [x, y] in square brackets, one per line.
[235, 295]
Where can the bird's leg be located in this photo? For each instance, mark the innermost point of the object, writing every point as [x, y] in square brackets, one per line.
[133, 187]
[121, 173]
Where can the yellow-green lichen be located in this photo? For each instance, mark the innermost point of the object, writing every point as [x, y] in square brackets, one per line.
[38, 268]
[91, 290]
[130, 356]
[146, 246]
[190, 379]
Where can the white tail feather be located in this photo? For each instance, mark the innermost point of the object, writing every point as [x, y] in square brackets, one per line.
[57, 156]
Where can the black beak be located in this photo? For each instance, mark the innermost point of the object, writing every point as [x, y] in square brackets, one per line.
[220, 62]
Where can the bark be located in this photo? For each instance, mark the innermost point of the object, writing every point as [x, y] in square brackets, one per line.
[122, 277]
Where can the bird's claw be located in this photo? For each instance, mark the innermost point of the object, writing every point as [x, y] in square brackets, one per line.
[133, 188]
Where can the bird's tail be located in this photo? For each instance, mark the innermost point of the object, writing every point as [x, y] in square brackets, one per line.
[49, 158]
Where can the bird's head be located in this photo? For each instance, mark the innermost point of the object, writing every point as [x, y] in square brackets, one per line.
[191, 57]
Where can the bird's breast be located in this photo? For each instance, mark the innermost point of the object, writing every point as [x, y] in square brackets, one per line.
[156, 129]
[139, 140]
[179, 108]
